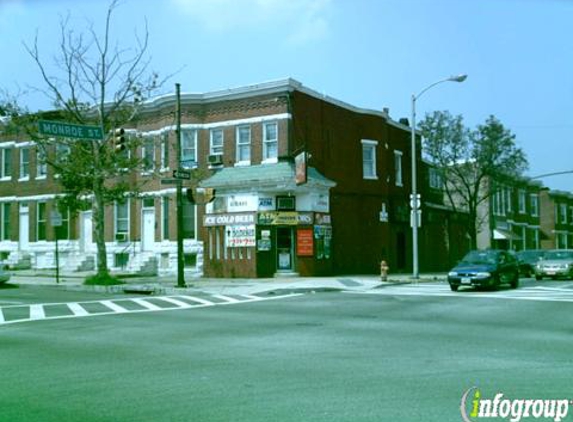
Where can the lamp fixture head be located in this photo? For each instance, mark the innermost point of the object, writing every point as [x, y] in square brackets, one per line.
[458, 78]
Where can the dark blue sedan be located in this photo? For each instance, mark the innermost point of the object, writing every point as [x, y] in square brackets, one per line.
[485, 268]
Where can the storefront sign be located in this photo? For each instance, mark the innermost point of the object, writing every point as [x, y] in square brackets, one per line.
[240, 236]
[285, 218]
[321, 202]
[210, 220]
[266, 203]
[322, 219]
[241, 203]
[304, 242]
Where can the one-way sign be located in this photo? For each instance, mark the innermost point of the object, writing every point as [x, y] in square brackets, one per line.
[182, 174]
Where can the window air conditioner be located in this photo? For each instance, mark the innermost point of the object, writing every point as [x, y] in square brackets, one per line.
[216, 159]
[121, 237]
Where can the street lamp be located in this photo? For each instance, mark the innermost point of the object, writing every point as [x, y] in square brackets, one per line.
[414, 197]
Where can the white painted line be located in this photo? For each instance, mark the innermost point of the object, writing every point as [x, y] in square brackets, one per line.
[252, 297]
[77, 309]
[226, 298]
[147, 304]
[37, 312]
[175, 302]
[1, 316]
[198, 300]
[113, 306]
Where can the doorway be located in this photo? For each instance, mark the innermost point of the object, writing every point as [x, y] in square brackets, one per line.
[24, 229]
[285, 249]
[148, 229]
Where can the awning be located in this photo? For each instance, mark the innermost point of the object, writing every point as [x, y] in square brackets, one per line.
[500, 234]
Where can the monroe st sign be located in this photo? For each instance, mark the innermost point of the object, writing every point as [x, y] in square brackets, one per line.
[69, 130]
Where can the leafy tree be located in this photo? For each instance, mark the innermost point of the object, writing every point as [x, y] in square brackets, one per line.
[471, 161]
[96, 83]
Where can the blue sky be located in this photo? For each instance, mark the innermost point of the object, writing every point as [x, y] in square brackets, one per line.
[370, 53]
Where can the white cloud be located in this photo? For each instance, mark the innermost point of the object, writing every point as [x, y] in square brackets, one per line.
[302, 20]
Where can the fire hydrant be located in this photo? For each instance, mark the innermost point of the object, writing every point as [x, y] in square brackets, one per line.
[384, 268]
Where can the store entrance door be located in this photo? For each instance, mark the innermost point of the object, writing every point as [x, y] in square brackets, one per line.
[285, 249]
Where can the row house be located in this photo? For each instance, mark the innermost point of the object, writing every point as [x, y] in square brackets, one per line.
[305, 184]
[510, 218]
[557, 219]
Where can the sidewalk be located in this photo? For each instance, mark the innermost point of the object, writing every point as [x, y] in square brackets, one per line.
[239, 286]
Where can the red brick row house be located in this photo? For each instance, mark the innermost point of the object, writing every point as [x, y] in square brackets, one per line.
[305, 184]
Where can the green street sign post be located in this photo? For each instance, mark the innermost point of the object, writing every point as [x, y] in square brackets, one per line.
[69, 130]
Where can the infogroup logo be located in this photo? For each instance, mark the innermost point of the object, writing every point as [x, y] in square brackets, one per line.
[474, 407]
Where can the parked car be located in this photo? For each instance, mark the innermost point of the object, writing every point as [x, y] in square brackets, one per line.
[527, 260]
[4, 274]
[556, 263]
[485, 268]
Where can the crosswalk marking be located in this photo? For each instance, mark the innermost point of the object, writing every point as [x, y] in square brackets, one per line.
[10, 314]
[175, 302]
[113, 306]
[77, 309]
[37, 312]
[226, 298]
[198, 300]
[530, 293]
[146, 304]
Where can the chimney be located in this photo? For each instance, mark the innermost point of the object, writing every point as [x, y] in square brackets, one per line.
[404, 121]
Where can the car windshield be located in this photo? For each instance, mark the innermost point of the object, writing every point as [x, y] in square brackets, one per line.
[480, 257]
[559, 255]
[530, 255]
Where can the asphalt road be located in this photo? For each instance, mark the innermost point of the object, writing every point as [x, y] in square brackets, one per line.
[317, 357]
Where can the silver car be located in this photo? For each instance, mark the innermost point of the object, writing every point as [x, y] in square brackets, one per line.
[556, 263]
[4, 275]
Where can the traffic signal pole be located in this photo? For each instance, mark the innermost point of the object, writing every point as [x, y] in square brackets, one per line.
[179, 194]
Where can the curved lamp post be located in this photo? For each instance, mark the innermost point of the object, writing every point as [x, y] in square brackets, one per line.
[414, 197]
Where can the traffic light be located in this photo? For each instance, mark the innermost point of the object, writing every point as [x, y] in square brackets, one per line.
[119, 140]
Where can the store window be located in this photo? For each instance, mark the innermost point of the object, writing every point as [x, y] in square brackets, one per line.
[189, 229]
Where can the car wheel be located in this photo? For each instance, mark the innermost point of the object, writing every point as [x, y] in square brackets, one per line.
[515, 282]
[454, 287]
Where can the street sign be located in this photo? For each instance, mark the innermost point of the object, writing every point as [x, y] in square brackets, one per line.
[168, 181]
[182, 174]
[56, 219]
[69, 130]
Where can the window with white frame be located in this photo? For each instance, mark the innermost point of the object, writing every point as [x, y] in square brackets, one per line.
[41, 165]
[6, 165]
[508, 205]
[122, 218]
[270, 141]
[436, 179]
[165, 218]
[534, 202]
[63, 231]
[148, 154]
[188, 148]
[398, 168]
[165, 150]
[189, 210]
[521, 199]
[216, 142]
[369, 159]
[5, 224]
[563, 213]
[41, 221]
[244, 144]
[24, 163]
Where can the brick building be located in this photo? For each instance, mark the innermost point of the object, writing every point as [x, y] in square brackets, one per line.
[304, 184]
[557, 219]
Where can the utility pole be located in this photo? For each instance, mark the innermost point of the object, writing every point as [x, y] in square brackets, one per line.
[180, 261]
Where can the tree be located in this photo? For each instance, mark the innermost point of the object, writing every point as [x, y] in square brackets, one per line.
[470, 162]
[98, 83]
